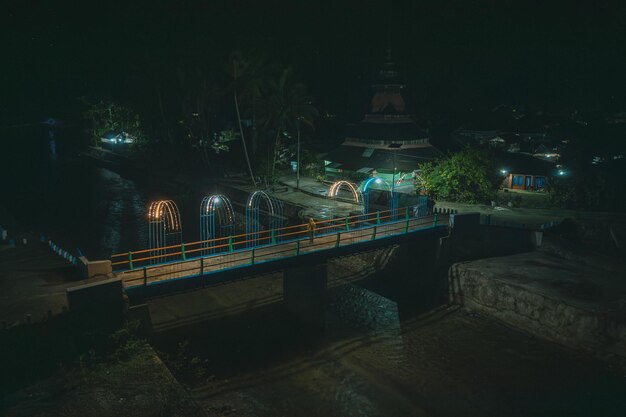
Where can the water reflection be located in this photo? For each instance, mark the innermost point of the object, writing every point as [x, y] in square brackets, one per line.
[78, 205]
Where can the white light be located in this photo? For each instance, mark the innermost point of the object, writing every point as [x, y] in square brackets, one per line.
[503, 171]
[561, 172]
[378, 181]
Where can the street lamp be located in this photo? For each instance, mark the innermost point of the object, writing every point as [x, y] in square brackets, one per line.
[394, 147]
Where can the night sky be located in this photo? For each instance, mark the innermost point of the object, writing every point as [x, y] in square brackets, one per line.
[454, 55]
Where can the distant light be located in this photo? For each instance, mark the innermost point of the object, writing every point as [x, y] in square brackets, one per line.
[503, 171]
[378, 181]
[217, 199]
[122, 137]
[561, 172]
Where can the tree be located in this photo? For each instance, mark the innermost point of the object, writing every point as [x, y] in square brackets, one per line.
[221, 139]
[246, 85]
[593, 166]
[287, 109]
[198, 96]
[468, 176]
[104, 117]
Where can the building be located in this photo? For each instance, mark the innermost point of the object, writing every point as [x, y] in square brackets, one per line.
[387, 143]
[525, 172]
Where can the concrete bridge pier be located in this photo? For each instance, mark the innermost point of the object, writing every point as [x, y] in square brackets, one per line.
[304, 292]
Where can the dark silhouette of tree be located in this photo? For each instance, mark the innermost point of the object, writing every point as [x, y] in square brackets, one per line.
[246, 83]
[286, 109]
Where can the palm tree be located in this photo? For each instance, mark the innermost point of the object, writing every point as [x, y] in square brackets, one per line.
[287, 108]
[198, 95]
[245, 85]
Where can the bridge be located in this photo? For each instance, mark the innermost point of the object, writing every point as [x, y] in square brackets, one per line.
[299, 251]
[272, 249]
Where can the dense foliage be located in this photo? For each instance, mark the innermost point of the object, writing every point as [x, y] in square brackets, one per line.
[594, 164]
[590, 186]
[468, 176]
[243, 103]
[104, 117]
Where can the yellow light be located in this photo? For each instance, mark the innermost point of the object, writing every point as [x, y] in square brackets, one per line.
[336, 186]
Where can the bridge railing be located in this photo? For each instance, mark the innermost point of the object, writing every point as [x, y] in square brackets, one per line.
[285, 249]
[235, 243]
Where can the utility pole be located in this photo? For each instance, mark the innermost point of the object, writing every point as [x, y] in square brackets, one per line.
[394, 148]
[298, 154]
[393, 176]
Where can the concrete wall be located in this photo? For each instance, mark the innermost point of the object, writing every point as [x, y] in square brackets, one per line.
[91, 269]
[471, 240]
[524, 302]
[102, 297]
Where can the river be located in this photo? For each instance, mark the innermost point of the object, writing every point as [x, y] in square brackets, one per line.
[72, 200]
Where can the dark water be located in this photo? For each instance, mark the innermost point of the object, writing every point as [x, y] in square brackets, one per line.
[78, 203]
[71, 200]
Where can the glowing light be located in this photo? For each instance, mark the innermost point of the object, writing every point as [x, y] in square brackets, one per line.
[561, 172]
[375, 180]
[216, 215]
[164, 228]
[166, 210]
[274, 215]
[122, 137]
[334, 189]
[503, 171]
[393, 197]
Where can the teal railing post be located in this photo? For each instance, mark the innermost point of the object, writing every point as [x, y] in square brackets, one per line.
[297, 247]
[182, 251]
[230, 243]
[347, 224]
[273, 237]
[406, 218]
[378, 217]
[435, 219]
[130, 260]
[374, 233]
[252, 257]
[338, 239]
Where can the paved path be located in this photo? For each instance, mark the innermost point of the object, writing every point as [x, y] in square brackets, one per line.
[312, 198]
[33, 281]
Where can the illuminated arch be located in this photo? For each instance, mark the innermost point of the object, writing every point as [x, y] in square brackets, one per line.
[334, 189]
[357, 196]
[274, 214]
[217, 219]
[392, 200]
[164, 228]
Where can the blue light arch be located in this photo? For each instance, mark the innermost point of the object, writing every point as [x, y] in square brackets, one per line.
[392, 199]
[217, 219]
[274, 215]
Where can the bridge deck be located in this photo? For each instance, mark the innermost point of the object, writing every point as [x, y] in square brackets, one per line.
[273, 252]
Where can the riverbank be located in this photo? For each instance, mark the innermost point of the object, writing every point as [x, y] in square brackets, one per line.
[132, 381]
[370, 362]
[562, 294]
[33, 280]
